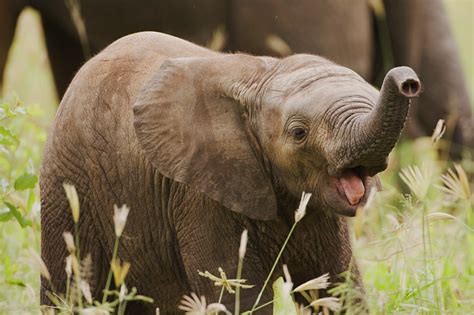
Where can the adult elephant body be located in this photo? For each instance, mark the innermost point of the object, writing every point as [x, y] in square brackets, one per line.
[203, 145]
[416, 34]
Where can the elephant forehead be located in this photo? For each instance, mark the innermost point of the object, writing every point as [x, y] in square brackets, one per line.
[332, 93]
[304, 80]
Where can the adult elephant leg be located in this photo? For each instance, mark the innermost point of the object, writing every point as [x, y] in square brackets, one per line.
[421, 38]
[65, 54]
[8, 16]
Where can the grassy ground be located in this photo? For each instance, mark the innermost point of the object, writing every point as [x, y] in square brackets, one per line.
[407, 267]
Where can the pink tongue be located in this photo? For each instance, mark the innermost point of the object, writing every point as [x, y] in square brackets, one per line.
[353, 187]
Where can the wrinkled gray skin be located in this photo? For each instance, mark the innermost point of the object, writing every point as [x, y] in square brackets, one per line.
[416, 34]
[203, 145]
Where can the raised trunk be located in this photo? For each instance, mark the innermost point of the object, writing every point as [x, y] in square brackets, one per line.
[379, 130]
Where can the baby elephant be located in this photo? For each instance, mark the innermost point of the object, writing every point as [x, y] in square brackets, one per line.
[202, 145]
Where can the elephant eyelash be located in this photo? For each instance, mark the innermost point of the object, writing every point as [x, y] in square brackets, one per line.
[297, 131]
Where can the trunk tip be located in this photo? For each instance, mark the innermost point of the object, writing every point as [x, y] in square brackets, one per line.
[406, 80]
[410, 88]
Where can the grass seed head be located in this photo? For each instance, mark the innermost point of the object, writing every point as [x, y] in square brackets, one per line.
[68, 266]
[86, 291]
[223, 281]
[321, 282]
[69, 239]
[301, 211]
[217, 308]
[73, 199]
[455, 183]
[243, 244]
[123, 292]
[120, 218]
[120, 271]
[417, 179]
[193, 304]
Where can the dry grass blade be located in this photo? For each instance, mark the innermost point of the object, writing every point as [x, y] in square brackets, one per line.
[439, 131]
[417, 179]
[218, 40]
[40, 263]
[331, 303]
[435, 216]
[278, 45]
[455, 183]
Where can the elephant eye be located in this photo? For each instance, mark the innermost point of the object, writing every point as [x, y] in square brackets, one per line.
[298, 133]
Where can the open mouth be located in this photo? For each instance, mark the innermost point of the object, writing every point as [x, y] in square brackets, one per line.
[352, 187]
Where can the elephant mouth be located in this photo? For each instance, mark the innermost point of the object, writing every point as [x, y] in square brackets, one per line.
[353, 186]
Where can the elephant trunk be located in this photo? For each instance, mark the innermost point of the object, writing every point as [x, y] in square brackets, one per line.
[383, 125]
[378, 131]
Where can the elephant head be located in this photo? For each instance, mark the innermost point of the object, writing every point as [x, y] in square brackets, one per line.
[244, 129]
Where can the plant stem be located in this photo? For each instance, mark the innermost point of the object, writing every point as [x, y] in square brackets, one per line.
[78, 256]
[109, 276]
[76, 240]
[430, 253]
[237, 289]
[273, 268]
[259, 307]
[469, 214]
[68, 284]
[221, 295]
[121, 308]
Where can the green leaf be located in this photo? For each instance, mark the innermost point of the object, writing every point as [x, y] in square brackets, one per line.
[24, 222]
[6, 216]
[25, 181]
[283, 301]
[7, 137]
[16, 282]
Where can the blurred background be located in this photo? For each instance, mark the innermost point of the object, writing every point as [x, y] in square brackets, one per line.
[384, 235]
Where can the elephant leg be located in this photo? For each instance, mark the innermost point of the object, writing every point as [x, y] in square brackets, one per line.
[65, 54]
[421, 38]
[56, 219]
[212, 242]
[8, 16]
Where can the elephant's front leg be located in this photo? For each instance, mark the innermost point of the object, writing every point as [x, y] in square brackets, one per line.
[209, 238]
[321, 244]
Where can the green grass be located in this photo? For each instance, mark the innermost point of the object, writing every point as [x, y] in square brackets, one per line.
[404, 271]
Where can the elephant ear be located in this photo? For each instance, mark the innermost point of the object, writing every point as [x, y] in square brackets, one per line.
[192, 127]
